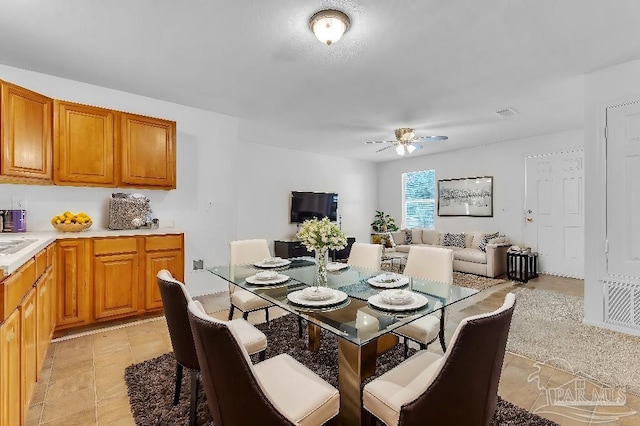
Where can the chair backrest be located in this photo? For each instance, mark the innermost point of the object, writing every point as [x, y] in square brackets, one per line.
[234, 393]
[465, 388]
[248, 251]
[175, 299]
[431, 263]
[365, 255]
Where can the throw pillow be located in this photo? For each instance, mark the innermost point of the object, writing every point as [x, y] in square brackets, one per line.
[453, 240]
[408, 236]
[388, 240]
[485, 240]
[430, 236]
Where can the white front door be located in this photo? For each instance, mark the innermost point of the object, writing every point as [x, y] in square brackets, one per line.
[554, 212]
[623, 190]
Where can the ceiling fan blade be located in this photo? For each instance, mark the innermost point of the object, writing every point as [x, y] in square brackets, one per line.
[379, 142]
[417, 145]
[386, 147]
[431, 138]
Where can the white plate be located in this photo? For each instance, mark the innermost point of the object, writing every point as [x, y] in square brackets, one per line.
[263, 264]
[402, 280]
[336, 266]
[277, 280]
[419, 301]
[297, 298]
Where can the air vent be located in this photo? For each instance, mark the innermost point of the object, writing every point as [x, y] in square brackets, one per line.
[507, 112]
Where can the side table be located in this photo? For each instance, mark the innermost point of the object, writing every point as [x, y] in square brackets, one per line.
[522, 266]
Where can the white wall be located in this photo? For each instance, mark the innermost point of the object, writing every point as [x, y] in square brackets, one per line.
[504, 161]
[611, 86]
[268, 175]
[217, 179]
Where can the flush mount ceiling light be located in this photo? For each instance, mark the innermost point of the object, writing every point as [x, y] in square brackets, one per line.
[329, 25]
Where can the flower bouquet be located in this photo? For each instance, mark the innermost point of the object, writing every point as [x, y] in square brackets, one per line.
[321, 235]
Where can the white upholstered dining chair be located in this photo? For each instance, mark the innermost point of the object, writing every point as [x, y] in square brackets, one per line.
[459, 388]
[245, 252]
[365, 255]
[431, 263]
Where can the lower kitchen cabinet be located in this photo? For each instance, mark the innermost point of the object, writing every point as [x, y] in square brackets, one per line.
[116, 277]
[45, 305]
[10, 373]
[162, 253]
[28, 352]
[73, 301]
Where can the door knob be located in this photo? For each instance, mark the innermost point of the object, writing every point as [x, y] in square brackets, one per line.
[529, 219]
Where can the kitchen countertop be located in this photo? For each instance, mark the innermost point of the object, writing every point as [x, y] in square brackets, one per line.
[11, 262]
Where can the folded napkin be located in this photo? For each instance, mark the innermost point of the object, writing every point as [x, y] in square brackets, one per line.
[272, 260]
[317, 293]
[267, 275]
[396, 297]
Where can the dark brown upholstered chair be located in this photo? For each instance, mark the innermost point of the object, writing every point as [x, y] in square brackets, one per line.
[459, 388]
[175, 299]
[278, 391]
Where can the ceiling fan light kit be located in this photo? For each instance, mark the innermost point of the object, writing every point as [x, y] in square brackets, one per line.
[406, 141]
[329, 25]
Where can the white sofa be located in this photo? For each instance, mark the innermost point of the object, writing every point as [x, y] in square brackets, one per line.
[491, 262]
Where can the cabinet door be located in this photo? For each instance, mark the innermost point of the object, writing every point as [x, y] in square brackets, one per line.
[26, 130]
[115, 281]
[171, 260]
[44, 316]
[73, 302]
[11, 412]
[84, 145]
[28, 353]
[148, 152]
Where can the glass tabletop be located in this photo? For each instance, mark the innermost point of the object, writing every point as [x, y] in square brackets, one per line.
[353, 318]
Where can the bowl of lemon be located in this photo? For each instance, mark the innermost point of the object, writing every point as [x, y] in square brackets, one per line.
[71, 222]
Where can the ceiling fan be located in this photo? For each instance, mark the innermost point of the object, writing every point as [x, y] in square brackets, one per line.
[406, 141]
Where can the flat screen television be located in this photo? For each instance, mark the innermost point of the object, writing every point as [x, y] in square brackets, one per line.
[307, 205]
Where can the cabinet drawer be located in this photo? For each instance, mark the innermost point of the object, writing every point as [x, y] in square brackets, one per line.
[164, 242]
[41, 262]
[16, 286]
[115, 245]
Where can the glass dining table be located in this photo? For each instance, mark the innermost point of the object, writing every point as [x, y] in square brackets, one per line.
[362, 323]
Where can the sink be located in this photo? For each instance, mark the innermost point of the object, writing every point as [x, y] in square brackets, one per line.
[15, 245]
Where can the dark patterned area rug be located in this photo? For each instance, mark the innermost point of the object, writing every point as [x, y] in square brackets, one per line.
[151, 383]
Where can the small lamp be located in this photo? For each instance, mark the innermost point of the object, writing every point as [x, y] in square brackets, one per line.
[329, 25]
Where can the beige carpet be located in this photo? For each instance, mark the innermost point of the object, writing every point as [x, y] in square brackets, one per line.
[547, 327]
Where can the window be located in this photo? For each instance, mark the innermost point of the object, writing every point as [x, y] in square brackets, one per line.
[418, 199]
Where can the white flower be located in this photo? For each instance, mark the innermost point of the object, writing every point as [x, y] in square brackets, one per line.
[321, 234]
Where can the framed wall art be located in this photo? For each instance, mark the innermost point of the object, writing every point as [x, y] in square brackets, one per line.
[471, 196]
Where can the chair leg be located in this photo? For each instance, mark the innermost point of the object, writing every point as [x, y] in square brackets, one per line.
[442, 343]
[231, 312]
[262, 355]
[406, 348]
[194, 398]
[266, 314]
[176, 396]
[299, 328]
[245, 315]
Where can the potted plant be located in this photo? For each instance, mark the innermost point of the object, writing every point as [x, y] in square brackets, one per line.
[383, 222]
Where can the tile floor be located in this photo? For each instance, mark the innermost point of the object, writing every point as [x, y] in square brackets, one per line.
[82, 382]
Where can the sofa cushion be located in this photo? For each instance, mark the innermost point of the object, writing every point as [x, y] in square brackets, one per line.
[398, 237]
[470, 255]
[498, 240]
[387, 240]
[416, 235]
[477, 237]
[408, 236]
[403, 248]
[453, 240]
[430, 236]
[485, 240]
[468, 239]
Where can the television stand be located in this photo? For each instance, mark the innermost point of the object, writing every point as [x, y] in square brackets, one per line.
[293, 248]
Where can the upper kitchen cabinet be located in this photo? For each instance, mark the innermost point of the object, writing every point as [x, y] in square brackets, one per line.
[25, 135]
[148, 152]
[84, 145]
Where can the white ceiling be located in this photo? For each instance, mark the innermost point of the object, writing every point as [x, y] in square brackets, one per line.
[442, 67]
